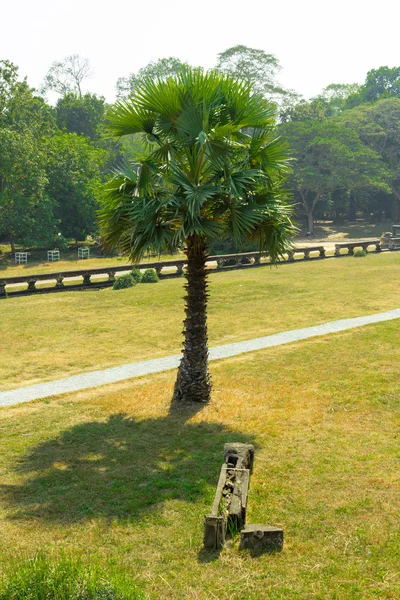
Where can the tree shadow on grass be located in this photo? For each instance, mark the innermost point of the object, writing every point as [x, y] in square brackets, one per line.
[121, 468]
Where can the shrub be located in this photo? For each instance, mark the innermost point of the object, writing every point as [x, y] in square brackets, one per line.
[44, 578]
[60, 243]
[360, 253]
[136, 275]
[124, 281]
[150, 276]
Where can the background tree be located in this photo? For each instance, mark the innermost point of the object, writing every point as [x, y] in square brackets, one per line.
[336, 95]
[379, 84]
[66, 76]
[316, 109]
[83, 115]
[332, 101]
[159, 69]
[201, 177]
[256, 67]
[74, 175]
[26, 211]
[330, 157]
[378, 126]
[20, 108]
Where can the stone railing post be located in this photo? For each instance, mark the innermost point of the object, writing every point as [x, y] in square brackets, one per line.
[31, 284]
[179, 270]
[111, 276]
[220, 263]
[256, 259]
[378, 247]
[322, 252]
[351, 250]
[59, 281]
[86, 279]
[290, 256]
[306, 254]
[3, 292]
[337, 250]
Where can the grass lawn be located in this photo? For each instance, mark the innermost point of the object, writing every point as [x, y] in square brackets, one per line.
[360, 230]
[111, 475]
[50, 336]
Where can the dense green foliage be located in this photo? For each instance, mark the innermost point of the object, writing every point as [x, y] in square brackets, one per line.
[83, 115]
[331, 157]
[346, 145]
[52, 161]
[73, 176]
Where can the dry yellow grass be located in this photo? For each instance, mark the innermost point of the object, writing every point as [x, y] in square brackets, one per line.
[51, 336]
[111, 474]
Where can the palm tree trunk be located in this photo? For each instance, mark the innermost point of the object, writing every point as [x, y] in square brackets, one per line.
[193, 382]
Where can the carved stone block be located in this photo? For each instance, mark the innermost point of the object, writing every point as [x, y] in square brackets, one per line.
[261, 538]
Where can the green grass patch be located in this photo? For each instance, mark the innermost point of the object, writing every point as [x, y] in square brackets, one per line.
[47, 577]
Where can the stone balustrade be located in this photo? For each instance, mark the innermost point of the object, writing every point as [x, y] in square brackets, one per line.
[359, 244]
[306, 252]
[79, 279]
[105, 276]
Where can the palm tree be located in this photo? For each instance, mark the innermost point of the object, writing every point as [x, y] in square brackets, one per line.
[213, 166]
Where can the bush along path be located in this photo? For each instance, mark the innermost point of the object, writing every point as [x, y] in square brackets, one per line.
[137, 369]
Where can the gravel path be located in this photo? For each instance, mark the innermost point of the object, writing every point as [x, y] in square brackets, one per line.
[96, 378]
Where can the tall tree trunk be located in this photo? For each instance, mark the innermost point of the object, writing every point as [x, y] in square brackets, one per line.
[396, 206]
[193, 382]
[310, 220]
[11, 240]
[352, 207]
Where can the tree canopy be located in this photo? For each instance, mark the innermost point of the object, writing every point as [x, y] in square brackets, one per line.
[47, 177]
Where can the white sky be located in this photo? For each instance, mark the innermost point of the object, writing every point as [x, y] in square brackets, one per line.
[317, 42]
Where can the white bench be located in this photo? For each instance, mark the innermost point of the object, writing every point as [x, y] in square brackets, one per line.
[53, 255]
[83, 253]
[21, 257]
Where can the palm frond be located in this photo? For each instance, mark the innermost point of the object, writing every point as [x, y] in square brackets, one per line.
[212, 166]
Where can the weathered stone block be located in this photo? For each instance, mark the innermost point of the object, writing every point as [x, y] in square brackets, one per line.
[214, 532]
[261, 538]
